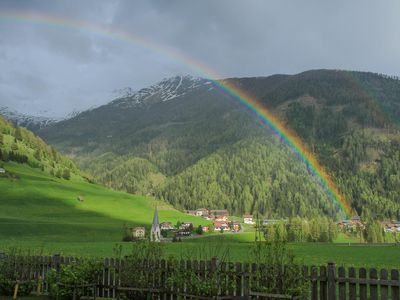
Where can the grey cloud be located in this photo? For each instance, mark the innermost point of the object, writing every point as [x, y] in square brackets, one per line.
[60, 69]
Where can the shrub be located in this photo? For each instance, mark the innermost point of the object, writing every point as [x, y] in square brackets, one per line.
[77, 273]
[180, 277]
[277, 272]
[16, 265]
[141, 267]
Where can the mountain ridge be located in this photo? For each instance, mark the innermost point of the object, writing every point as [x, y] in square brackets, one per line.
[346, 118]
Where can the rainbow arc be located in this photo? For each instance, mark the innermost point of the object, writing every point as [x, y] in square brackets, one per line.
[297, 146]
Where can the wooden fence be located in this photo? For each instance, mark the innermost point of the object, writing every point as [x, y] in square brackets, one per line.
[326, 282]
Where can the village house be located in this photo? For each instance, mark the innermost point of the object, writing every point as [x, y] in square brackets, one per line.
[221, 225]
[186, 226]
[2, 171]
[248, 219]
[205, 228]
[138, 232]
[391, 226]
[351, 225]
[343, 224]
[183, 232]
[206, 216]
[191, 212]
[219, 215]
[235, 226]
[201, 212]
[166, 226]
[270, 221]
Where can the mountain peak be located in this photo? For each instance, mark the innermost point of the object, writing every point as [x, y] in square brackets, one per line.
[29, 121]
[167, 89]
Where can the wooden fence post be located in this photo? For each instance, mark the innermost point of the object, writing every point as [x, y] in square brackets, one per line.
[322, 283]
[238, 271]
[214, 263]
[56, 264]
[373, 286]
[394, 276]
[246, 280]
[384, 285]
[362, 275]
[314, 283]
[331, 281]
[352, 284]
[342, 282]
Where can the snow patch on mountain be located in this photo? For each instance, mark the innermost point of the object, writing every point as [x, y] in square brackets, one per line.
[24, 120]
[165, 90]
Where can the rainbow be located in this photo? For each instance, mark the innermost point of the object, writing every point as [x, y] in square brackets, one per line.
[250, 102]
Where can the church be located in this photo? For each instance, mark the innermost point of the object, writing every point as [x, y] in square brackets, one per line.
[155, 232]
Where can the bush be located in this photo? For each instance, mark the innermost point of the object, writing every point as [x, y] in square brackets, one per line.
[77, 273]
[278, 273]
[180, 277]
[16, 265]
[140, 268]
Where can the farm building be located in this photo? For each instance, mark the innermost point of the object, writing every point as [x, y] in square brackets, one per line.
[138, 232]
[221, 225]
[248, 219]
[271, 221]
[183, 232]
[352, 224]
[166, 226]
[186, 226]
[200, 212]
[219, 215]
[235, 226]
[205, 228]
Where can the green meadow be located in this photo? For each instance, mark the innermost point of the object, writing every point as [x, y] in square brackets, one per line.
[42, 214]
[40, 209]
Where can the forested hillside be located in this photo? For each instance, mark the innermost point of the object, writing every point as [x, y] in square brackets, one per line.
[350, 120]
[20, 145]
[187, 142]
[252, 175]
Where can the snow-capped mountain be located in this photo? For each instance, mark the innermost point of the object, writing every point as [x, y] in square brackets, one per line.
[167, 89]
[33, 123]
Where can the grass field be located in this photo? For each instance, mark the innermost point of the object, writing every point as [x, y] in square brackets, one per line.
[42, 213]
[358, 255]
[39, 208]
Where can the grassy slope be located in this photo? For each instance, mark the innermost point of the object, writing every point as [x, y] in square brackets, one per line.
[39, 208]
[41, 212]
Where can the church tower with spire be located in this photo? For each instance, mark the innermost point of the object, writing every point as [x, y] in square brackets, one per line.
[155, 232]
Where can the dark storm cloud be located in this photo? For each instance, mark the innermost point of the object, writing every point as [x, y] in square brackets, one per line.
[59, 69]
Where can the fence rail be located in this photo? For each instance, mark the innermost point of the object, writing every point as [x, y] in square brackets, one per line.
[326, 282]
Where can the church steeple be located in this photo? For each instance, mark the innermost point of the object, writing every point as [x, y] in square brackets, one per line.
[155, 232]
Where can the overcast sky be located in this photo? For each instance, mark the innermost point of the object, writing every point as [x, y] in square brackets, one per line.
[52, 70]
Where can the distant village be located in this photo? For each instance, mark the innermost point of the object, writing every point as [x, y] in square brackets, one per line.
[356, 224]
[215, 221]
[221, 221]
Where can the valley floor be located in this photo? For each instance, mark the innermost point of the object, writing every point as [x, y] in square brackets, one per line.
[41, 214]
[235, 248]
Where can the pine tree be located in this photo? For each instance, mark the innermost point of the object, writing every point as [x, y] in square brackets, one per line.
[66, 174]
[269, 233]
[37, 155]
[14, 146]
[18, 134]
